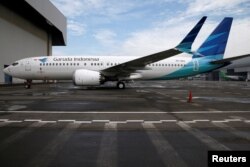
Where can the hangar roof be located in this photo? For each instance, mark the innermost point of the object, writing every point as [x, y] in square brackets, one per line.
[43, 14]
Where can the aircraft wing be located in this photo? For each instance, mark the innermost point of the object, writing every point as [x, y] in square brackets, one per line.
[129, 67]
[229, 60]
[125, 69]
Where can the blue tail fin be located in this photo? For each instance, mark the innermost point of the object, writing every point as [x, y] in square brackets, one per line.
[186, 43]
[215, 44]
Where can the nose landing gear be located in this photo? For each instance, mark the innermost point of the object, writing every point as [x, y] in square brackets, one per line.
[27, 84]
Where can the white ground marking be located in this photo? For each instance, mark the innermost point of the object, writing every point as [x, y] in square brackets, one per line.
[209, 141]
[164, 149]
[14, 121]
[233, 120]
[153, 122]
[83, 122]
[65, 120]
[48, 121]
[236, 132]
[32, 120]
[201, 120]
[124, 112]
[119, 122]
[100, 121]
[170, 120]
[135, 121]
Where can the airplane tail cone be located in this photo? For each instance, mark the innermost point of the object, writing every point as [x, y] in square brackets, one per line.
[190, 97]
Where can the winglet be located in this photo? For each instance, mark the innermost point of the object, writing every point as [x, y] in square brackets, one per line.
[186, 43]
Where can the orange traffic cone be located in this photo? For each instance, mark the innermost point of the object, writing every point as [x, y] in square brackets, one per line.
[190, 97]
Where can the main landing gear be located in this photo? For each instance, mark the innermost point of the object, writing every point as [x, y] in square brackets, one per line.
[27, 84]
[120, 85]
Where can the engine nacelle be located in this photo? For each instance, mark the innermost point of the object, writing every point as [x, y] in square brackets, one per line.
[84, 77]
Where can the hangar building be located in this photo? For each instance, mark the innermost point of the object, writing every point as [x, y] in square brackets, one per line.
[240, 67]
[28, 28]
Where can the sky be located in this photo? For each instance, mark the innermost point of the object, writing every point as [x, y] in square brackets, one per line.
[143, 27]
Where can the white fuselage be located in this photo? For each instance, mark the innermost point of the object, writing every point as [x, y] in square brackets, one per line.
[63, 67]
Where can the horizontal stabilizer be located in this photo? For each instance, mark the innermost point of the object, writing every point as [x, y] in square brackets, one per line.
[228, 60]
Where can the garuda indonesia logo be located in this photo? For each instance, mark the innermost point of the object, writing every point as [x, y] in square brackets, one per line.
[43, 60]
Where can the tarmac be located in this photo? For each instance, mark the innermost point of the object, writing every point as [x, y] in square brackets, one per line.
[146, 124]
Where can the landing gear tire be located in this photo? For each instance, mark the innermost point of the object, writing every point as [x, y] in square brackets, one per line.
[27, 84]
[120, 85]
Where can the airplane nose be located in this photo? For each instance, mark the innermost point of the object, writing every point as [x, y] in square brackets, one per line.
[6, 70]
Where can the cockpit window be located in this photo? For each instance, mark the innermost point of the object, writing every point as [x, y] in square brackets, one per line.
[14, 64]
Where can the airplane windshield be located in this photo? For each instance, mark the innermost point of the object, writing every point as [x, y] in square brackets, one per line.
[14, 64]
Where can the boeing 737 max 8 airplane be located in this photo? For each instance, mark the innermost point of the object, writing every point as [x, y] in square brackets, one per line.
[96, 70]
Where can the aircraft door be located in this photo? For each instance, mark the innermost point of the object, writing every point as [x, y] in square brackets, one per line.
[27, 66]
[195, 65]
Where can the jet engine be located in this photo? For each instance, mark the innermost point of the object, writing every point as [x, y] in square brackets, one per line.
[84, 77]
